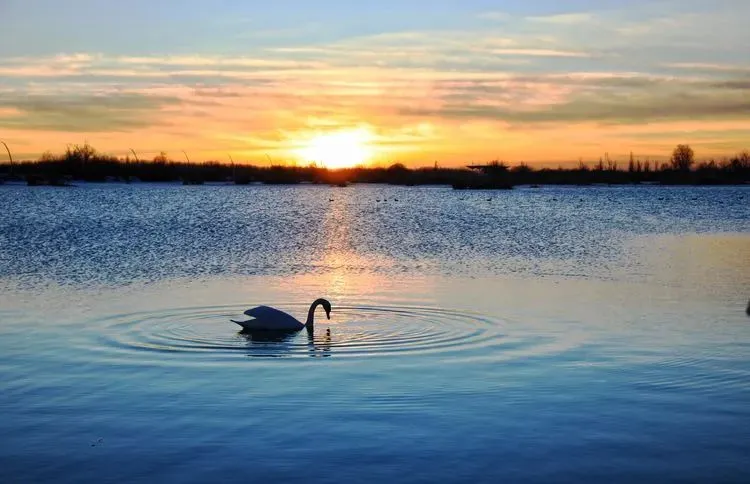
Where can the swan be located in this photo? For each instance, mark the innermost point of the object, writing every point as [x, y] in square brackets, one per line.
[266, 318]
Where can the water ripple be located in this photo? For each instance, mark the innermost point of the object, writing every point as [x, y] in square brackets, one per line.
[156, 232]
[205, 334]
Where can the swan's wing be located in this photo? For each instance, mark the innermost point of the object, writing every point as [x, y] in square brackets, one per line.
[269, 318]
[266, 312]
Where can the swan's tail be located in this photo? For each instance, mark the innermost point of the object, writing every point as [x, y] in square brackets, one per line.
[241, 323]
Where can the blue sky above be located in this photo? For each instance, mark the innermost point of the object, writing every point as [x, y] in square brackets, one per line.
[415, 73]
[43, 27]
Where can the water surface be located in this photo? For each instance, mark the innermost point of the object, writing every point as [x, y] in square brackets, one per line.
[557, 334]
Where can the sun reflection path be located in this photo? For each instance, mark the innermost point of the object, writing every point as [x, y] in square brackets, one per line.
[345, 272]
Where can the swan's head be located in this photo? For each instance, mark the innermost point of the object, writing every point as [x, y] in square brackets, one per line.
[326, 305]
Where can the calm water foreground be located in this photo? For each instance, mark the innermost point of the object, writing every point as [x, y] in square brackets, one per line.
[550, 335]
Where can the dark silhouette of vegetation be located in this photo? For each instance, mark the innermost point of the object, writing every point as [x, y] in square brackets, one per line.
[84, 162]
[10, 158]
[492, 176]
[683, 158]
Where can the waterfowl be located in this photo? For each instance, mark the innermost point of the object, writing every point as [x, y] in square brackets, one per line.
[266, 318]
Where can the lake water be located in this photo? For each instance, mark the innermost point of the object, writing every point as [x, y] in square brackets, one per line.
[542, 335]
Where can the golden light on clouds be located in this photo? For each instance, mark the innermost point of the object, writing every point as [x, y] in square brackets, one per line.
[338, 149]
[495, 85]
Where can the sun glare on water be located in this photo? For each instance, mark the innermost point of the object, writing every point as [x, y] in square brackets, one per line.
[340, 149]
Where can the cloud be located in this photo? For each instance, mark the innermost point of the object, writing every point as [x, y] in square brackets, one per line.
[599, 99]
[647, 63]
[706, 67]
[81, 113]
[565, 19]
[540, 53]
[737, 84]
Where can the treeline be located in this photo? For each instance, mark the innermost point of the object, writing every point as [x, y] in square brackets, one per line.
[83, 162]
[681, 169]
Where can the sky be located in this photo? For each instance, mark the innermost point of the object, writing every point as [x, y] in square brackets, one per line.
[418, 82]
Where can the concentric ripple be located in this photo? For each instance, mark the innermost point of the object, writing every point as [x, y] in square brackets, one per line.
[206, 334]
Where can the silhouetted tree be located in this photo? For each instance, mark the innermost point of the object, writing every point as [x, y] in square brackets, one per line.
[80, 153]
[611, 164]
[741, 162]
[496, 167]
[683, 158]
[521, 168]
[161, 158]
[47, 157]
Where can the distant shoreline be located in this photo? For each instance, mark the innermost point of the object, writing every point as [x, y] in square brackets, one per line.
[41, 182]
[83, 163]
[486, 177]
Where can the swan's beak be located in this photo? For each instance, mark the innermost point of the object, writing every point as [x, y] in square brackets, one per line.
[328, 314]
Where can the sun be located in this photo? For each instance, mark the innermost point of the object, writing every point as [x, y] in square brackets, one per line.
[340, 149]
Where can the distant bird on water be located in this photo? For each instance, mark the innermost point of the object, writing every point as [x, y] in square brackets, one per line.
[266, 318]
[748, 308]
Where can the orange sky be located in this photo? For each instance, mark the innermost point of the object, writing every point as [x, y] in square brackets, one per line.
[471, 86]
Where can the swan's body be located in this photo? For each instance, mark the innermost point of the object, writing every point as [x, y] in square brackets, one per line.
[266, 318]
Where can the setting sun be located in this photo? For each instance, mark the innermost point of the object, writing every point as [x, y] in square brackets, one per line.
[339, 149]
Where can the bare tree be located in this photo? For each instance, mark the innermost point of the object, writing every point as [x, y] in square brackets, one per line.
[10, 157]
[683, 158]
[80, 153]
[161, 158]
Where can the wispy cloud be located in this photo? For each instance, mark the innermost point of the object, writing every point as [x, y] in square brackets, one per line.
[709, 67]
[495, 16]
[79, 112]
[602, 72]
[566, 19]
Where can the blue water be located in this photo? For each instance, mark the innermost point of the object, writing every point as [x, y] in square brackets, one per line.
[542, 335]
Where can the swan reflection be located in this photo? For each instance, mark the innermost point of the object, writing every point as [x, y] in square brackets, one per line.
[278, 344]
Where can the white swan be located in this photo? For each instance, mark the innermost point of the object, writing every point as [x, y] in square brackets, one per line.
[271, 319]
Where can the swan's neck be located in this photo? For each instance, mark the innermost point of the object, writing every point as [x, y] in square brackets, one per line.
[311, 316]
[311, 313]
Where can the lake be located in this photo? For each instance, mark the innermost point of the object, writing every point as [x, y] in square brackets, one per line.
[560, 334]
